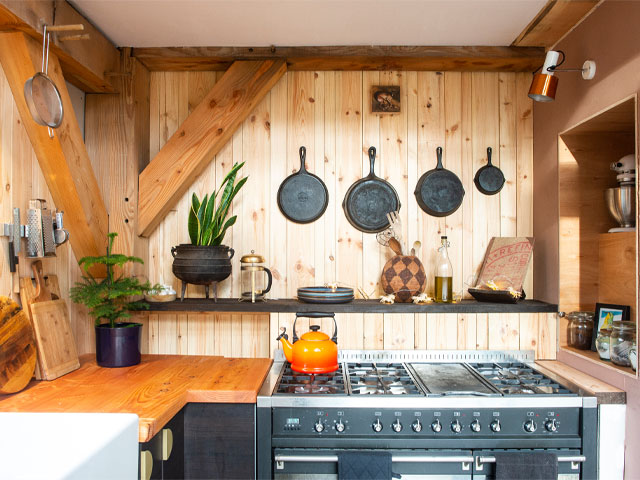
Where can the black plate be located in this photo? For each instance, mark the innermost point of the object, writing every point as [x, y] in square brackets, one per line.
[494, 296]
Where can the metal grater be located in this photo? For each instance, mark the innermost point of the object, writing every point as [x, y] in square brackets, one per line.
[47, 233]
[35, 245]
[16, 231]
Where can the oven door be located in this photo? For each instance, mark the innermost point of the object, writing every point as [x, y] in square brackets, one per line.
[569, 462]
[317, 463]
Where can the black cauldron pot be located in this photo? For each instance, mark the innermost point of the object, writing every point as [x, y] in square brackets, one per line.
[201, 265]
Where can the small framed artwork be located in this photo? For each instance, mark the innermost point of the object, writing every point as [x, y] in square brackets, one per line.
[607, 313]
[385, 99]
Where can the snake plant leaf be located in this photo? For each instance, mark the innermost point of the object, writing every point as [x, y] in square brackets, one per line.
[201, 210]
[208, 214]
[232, 173]
[233, 194]
[220, 237]
[192, 222]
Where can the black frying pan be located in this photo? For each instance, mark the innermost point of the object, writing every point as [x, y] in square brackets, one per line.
[368, 201]
[439, 192]
[489, 179]
[303, 197]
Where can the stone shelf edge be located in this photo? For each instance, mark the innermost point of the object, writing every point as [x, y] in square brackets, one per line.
[356, 306]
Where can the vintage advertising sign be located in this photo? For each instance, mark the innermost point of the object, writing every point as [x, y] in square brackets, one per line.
[507, 257]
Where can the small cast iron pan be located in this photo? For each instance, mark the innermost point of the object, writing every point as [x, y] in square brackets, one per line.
[303, 197]
[368, 201]
[439, 192]
[489, 179]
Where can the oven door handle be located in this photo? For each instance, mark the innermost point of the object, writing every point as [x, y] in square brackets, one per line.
[466, 460]
[575, 460]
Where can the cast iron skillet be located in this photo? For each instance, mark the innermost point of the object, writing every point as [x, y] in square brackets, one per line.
[439, 192]
[489, 179]
[368, 201]
[303, 197]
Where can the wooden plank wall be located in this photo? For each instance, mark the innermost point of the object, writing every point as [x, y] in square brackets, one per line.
[21, 180]
[329, 113]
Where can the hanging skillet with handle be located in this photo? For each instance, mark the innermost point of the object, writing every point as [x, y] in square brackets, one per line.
[369, 200]
[439, 192]
[489, 179]
[303, 197]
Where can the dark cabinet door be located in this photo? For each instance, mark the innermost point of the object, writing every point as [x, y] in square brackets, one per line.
[219, 441]
[173, 466]
[150, 451]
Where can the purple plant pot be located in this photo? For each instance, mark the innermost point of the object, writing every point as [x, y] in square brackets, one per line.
[119, 346]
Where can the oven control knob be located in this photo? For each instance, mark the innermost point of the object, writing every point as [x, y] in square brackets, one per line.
[319, 426]
[530, 426]
[396, 426]
[475, 426]
[436, 426]
[417, 426]
[377, 426]
[551, 425]
[495, 425]
[340, 426]
[456, 427]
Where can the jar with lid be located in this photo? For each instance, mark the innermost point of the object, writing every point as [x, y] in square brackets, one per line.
[603, 341]
[580, 329]
[633, 357]
[623, 337]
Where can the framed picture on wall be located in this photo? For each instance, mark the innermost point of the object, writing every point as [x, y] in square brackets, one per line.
[606, 313]
[385, 99]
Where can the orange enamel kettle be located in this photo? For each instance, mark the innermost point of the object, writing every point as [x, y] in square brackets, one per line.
[314, 352]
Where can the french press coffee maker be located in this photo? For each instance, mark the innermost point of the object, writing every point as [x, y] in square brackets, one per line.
[251, 280]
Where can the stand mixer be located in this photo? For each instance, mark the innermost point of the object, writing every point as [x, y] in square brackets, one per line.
[621, 200]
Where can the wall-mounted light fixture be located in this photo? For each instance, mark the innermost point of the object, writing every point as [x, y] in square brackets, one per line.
[544, 84]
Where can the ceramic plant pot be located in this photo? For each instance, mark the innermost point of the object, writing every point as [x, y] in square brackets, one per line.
[119, 346]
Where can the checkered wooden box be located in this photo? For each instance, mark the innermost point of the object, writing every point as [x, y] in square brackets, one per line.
[404, 276]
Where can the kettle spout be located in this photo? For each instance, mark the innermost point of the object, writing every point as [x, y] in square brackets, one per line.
[287, 347]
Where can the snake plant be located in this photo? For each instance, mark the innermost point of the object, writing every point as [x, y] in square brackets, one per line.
[206, 225]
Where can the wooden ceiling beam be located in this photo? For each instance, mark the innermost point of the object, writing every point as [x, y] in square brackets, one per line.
[85, 63]
[487, 59]
[556, 19]
[201, 136]
[63, 159]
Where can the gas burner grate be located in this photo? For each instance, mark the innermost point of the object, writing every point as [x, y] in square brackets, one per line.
[519, 379]
[292, 382]
[370, 378]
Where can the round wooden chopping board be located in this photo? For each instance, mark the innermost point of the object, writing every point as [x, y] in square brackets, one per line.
[17, 347]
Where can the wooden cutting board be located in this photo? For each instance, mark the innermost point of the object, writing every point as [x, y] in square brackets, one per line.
[17, 347]
[28, 294]
[57, 354]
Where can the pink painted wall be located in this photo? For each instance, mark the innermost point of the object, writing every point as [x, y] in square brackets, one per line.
[610, 37]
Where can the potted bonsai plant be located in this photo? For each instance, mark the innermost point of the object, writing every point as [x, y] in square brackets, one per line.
[110, 301]
[206, 261]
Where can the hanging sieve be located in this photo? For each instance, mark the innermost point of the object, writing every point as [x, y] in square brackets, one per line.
[42, 96]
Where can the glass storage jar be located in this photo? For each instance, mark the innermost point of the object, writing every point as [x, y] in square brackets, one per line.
[580, 329]
[623, 337]
[603, 341]
[633, 357]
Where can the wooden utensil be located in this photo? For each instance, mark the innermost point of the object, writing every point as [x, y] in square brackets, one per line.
[17, 347]
[416, 246]
[395, 246]
[56, 346]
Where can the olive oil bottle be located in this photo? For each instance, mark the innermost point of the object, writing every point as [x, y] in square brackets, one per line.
[444, 274]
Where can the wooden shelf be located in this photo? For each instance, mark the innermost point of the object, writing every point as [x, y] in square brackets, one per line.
[593, 357]
[357, 306]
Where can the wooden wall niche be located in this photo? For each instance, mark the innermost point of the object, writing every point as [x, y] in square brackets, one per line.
[585, 153]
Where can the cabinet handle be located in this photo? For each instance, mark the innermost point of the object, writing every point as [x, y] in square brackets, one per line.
[167, 443]
[146, 464]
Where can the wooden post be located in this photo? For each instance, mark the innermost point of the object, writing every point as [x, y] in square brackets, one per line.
[63, 159]
[201, 136]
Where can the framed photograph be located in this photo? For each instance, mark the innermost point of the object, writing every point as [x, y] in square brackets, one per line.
[605, 314]
[385, 99]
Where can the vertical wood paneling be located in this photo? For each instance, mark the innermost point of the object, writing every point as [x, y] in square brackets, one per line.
[329, 113]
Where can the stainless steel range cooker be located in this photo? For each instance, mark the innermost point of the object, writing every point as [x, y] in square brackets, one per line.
[440, 413]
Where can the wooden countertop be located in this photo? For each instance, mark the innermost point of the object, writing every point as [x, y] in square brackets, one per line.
[582, 382]
[356, 306]
[155, 390]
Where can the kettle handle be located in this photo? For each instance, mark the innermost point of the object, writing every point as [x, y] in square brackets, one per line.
[334, 337]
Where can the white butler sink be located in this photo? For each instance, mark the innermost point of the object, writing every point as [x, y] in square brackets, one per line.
[69, 446]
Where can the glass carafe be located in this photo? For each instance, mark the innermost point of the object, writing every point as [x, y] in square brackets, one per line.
[253, 284]
[444, 274]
